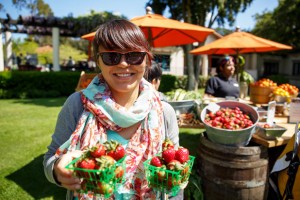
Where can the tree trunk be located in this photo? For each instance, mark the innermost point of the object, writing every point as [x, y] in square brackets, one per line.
[197, 67]
[190, 67]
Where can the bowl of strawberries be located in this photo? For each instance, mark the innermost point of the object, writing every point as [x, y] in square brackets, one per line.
[101, 168]
[169, 170]
[230, 123]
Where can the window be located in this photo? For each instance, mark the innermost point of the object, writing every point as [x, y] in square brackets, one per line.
[271, 68]
[164, 60]
[296, 68]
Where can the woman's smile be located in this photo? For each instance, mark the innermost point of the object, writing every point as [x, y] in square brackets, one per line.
[123, 74]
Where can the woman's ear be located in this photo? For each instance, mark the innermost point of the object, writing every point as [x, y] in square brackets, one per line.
[154, 81]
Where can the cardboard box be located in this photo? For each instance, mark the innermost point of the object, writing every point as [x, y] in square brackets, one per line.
[294, 111]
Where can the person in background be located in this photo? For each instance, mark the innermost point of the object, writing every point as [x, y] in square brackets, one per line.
[20, 59]
[223, 84]
[153, 75]
[119, 104]
[70, 62]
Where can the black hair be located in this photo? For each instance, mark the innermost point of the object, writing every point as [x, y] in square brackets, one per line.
[153, 72]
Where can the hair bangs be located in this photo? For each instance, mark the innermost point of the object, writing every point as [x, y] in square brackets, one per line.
[120, 35]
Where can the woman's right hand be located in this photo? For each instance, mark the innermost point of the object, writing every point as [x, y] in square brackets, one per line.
[65, 176]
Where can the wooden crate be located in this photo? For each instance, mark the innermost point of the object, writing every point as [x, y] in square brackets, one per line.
[84, 80]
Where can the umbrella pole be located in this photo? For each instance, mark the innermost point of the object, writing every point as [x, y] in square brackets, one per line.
[238, 66]
[150, 37]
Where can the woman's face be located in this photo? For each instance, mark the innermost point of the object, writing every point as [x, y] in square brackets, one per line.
[228, 69]
[123, 77]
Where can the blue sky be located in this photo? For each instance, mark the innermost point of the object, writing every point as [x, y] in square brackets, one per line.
[130, 8]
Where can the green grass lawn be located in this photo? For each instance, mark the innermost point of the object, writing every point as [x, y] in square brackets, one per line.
[26, 129]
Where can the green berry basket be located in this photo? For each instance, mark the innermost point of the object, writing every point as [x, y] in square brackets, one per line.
[100, 182]
[168, 181]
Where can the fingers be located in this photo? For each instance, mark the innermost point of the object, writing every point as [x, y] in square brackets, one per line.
[65, 176]
[71, 185]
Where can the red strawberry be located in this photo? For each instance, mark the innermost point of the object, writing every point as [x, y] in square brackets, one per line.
[173, 181]
[119, 172]
[83, 184]
[168, 155]
[161, 173]
[185, 173]
[156, 161]
[175, 165]
[104, 188]
[105, 161]
[87, 163]
[119, 152]
[167, 143]
[115, 149]
[182, 154]
[98, 150]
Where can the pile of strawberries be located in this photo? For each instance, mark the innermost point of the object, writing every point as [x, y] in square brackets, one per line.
[101, 167]
[171, 168]
[227, 118]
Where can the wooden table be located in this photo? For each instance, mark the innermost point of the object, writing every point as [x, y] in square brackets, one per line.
[197, 126]
[281, 121]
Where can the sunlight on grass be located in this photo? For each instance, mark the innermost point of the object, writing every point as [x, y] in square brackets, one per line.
[26, 129]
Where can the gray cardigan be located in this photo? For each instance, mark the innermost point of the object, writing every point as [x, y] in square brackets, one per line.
[66, 124]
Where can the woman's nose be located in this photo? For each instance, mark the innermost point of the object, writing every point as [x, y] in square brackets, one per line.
[123, 62]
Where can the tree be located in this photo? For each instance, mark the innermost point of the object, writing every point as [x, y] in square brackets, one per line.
[36, 7]
[196, 12]
[281, 25]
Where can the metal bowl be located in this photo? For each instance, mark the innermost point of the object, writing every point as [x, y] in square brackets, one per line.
[232, 137]
[183, 107]
[271, 133]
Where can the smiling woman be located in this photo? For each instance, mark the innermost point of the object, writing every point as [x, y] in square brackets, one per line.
[118, 104]
[223, 85]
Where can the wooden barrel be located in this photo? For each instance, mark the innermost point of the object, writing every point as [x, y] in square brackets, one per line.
[233, 172]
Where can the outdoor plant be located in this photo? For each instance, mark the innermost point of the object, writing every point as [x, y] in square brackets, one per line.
[193, 190]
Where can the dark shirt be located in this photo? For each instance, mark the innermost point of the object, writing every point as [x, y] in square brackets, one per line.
[219, 86]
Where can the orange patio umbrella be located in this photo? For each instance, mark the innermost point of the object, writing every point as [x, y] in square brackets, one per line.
[89, 36]
[240, 42]
[237, 43]
[161, 31]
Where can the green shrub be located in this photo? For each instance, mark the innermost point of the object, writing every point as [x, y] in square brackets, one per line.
[202, 81]
[31, 84]
[167, 83]
[34, 84]
[181, 82]
[279, 79]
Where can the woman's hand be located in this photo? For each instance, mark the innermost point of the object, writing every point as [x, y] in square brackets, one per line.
[64, 176]
[207, 96]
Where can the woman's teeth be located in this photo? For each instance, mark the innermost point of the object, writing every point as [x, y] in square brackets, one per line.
[123, 75]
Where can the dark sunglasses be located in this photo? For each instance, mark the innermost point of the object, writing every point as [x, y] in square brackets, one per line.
[114, 58]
